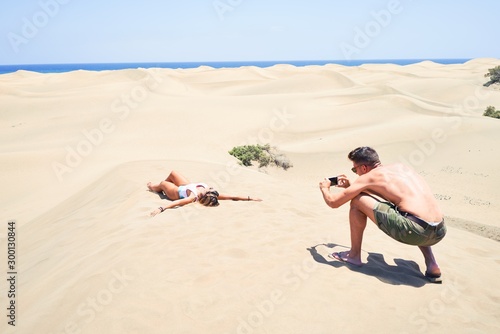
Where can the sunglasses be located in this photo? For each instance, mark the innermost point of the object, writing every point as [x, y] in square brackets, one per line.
[355, 168]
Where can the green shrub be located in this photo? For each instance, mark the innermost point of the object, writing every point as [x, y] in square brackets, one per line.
[491, 112]
[248, 153]
[265, 155]
[494, 75]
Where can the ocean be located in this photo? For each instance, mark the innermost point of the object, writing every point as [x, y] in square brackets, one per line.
[60, 68]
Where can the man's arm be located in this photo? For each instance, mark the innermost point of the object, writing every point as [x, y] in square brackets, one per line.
[336, 200]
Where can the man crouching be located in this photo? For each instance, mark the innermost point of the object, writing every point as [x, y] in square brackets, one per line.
[408, 211]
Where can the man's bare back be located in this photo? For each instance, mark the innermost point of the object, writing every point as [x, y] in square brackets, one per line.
[403, 187]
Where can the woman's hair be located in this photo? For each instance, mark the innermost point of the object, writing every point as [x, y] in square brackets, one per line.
[210, 198]
[364, 155]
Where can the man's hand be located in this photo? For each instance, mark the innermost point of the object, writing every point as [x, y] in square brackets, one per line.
[325, 184]
[343, 181]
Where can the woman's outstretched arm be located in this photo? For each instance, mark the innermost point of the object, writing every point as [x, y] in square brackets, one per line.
[173, 204]
[238, 198]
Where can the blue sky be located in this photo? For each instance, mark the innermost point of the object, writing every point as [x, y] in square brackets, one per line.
[90, 31]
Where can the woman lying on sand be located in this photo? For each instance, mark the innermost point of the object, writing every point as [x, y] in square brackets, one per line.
[181, 192]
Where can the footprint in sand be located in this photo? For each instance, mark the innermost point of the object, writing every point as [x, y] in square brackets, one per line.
[476, 201]
[442, 197]
[452, 170]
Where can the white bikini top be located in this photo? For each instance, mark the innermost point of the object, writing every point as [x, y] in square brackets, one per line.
[191, 187]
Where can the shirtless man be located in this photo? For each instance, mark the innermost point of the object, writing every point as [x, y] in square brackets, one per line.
[407, 211]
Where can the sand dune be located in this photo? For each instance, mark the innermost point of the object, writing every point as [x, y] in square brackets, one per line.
[77, 150]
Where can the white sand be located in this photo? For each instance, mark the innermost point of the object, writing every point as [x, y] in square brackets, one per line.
[77, 150]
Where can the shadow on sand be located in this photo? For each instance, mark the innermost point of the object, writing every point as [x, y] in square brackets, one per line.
[403, 273]
[160, 194]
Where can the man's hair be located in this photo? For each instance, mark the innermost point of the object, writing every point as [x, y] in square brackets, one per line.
[364, 155]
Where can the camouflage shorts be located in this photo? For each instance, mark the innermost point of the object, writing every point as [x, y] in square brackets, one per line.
[404, 230]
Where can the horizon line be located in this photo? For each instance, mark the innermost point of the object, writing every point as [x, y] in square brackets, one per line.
[247, 61]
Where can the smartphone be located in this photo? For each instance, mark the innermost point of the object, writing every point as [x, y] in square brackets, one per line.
[333, 180]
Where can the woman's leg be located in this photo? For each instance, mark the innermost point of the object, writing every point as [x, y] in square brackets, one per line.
[170, 187]
[177, 179]
[167, 187]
